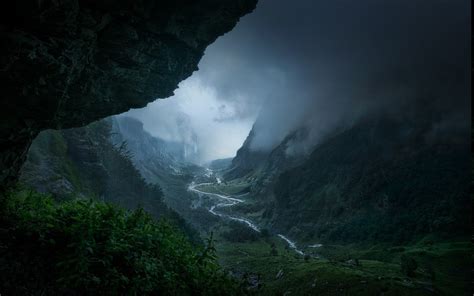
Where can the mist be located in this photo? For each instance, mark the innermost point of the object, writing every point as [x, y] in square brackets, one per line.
[195, 116]
[321, 65]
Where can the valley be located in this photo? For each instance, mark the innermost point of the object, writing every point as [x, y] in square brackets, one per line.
[272, 264]
[244, 214]
[236, 148]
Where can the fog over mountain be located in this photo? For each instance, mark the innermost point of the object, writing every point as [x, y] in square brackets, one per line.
[322, 65]
[196, 117]
[305, 147]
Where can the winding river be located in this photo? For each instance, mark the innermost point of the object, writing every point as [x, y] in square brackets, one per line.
[228, 201]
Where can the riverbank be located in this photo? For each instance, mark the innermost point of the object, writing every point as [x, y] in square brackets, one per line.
[222, 200]
[274, 265]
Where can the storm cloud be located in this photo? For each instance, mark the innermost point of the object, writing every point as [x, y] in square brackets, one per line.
[322, 65]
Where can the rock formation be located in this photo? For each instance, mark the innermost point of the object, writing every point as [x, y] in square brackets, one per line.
[65, 63]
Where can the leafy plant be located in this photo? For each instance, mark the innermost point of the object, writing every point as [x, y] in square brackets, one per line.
[85, 247]
[408, 265]
[240, 233]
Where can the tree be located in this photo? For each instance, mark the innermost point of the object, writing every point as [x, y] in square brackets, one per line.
[273, 251]
[85, 247]
[307, 257]
[408, 265]
[265, 233]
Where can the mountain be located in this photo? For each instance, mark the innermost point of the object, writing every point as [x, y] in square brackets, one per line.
[220, 164]
[162, 163]
[83, 163]
[106, 57]
[380, 180]
[246, 159]
[383, 179]
[169, 156]
[260, 168]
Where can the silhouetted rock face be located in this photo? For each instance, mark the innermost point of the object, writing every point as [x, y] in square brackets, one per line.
[246, 160]
[65, 63]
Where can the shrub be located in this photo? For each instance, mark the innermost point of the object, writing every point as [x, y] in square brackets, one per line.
[408, 265]
[84, 247]
[265, 233]
[240, 233]
[273, 250]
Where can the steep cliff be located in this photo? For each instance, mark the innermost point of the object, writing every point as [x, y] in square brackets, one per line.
[262, 167]
[170, 155]
[384, 179]
[83, 162]
[160, 162]
[67, 63]
[381, 180]
[246, 160]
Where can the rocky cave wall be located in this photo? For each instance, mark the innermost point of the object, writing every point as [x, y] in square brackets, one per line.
[66, 63]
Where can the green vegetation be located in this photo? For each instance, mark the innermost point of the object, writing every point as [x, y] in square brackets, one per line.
[240, 233]
[230, 188]
[446, 265]
[86, 247]
[381, 180]
[389, 225]
[408, 265]
[353, 189]
[428, 266]
[48, 163]
[352, 270]
[82, 162]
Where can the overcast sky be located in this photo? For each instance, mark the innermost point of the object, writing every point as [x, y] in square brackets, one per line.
[319, 64]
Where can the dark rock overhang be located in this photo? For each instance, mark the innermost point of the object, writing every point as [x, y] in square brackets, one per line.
[66, 63]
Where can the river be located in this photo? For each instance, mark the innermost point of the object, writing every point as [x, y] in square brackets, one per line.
[228, 201]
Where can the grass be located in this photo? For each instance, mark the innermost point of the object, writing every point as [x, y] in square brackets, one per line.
[227, 189]
[443, 267]
[334, 275]
[445, 264]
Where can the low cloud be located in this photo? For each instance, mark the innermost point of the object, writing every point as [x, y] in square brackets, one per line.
[195, 116]
[322, 65]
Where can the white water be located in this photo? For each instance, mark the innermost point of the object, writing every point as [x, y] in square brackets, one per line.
[192, 187]
[230, 201]
[291, 244]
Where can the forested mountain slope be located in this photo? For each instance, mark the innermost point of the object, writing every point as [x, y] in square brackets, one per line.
[162, 163]
[83, 162]
[383, 179]
[378, 181]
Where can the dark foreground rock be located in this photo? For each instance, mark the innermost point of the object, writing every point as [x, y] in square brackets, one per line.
[65, 63]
